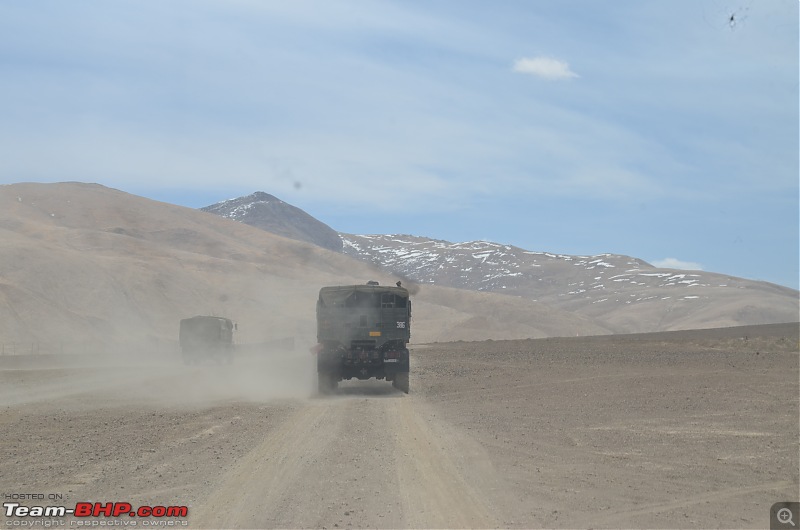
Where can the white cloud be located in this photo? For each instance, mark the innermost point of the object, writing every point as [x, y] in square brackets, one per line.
[545, 67]
[673, 263]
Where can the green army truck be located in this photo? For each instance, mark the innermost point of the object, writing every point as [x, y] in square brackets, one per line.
[206, 337]
[362, 331]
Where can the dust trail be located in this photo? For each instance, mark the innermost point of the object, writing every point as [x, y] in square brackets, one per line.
[165, 382]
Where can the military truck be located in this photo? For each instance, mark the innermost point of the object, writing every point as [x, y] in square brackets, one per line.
[362, 331]
[206, 337]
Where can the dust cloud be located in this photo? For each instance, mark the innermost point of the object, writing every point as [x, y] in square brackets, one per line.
[151, 381]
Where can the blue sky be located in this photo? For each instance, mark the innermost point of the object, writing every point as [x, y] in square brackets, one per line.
[664, 130]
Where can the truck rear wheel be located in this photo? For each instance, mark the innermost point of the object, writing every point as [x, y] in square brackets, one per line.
[401, 381]
[326, 383]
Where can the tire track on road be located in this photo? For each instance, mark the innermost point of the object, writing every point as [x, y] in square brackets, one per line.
[435, 493]
[350, 461]
[254, 488]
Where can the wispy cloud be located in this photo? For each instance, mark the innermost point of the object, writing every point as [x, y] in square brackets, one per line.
[674, 263]
[545, 67]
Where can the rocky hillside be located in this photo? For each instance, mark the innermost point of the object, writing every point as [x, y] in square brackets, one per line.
[269, 213]
[87, 268]
[622, 294]
[83, 266]
[486, 266]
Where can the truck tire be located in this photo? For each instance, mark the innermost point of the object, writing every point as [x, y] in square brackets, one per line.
[401, 381]
[326, 383]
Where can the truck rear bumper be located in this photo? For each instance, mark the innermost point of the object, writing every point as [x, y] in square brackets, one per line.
[386, 371]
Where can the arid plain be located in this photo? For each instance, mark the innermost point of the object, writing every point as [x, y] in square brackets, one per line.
[682, 429]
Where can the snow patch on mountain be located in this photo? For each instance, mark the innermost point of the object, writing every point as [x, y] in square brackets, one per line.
[494, 267]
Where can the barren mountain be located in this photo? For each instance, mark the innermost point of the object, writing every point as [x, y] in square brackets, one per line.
[624, 294]
[85, 267]
[265, 211]
[621, 294]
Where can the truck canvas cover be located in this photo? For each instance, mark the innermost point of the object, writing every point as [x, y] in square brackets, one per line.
[351, 295]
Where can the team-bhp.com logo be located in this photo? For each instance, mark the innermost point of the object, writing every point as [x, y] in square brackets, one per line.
[89, 510]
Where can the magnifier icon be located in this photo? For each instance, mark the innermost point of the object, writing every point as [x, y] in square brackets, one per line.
[785, 516]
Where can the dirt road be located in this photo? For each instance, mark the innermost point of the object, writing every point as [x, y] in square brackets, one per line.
[690, 429]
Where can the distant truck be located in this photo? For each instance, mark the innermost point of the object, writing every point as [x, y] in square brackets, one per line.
[205, 337]
[362, 331]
